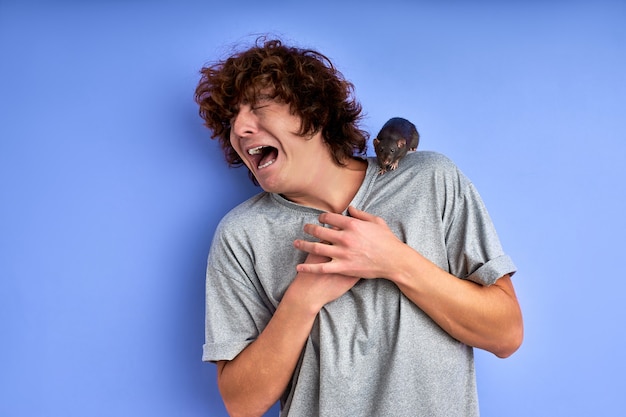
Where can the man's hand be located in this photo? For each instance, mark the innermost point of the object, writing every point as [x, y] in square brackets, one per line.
[317, 289]
[360, 246]
[487, 317]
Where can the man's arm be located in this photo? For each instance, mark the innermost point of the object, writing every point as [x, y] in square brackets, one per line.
[487, 317]
[256, 378]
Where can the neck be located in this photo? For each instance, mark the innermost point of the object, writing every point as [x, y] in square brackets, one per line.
[333, 188]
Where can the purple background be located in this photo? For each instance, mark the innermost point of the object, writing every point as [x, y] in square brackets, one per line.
[110, 188]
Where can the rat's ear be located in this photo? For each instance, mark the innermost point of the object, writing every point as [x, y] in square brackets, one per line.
[375, 141]
[401, 143]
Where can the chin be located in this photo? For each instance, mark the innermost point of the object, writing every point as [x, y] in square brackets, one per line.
[268, 187]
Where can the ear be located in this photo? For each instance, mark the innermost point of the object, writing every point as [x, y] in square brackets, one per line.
[401, 143]
[375, 141]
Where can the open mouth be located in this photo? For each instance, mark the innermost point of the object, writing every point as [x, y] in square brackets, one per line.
[263, 156]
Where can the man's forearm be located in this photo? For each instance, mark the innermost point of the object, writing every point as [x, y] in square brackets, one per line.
[485, 317]
[254, 380]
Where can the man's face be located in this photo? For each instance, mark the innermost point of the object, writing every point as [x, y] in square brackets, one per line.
[266, 135]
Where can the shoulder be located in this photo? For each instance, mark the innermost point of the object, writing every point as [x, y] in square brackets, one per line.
[235, 231]
[425, 166]
[437, 167]
[424, 177]
[430, 161]
[245, 215]
[259, 215]
[256, 203]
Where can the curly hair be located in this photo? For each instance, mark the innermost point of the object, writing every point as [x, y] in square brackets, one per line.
[303, 78]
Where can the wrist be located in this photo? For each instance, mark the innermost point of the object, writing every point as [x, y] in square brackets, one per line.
[297, 303]
[407, 265]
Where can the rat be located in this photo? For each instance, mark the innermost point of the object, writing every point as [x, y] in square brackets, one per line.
[397, 137]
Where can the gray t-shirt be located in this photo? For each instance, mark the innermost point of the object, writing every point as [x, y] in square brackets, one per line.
[372, 352]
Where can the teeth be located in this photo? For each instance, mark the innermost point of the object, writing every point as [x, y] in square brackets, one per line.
[268, 163]
[256, 151]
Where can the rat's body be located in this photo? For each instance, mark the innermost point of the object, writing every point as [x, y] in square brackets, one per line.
[397, 137]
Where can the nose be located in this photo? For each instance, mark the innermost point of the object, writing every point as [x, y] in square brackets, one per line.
[245, 122]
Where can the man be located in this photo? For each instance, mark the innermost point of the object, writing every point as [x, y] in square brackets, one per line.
[337, 290]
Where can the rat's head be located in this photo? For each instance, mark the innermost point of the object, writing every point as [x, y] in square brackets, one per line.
[389, 147]
[305, 79]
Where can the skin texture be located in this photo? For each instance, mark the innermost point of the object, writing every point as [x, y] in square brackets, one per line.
[301, 165]
[359, 246]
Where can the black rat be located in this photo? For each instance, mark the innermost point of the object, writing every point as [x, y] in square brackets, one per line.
[397, 137]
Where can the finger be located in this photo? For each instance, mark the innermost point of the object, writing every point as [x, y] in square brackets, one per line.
[321, 268]
[336, 221]
[316, 248]
[310, 268]
[326, 268]
[324, 234]
[362, 215]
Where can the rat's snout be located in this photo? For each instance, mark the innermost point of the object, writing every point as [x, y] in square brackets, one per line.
[385, 161]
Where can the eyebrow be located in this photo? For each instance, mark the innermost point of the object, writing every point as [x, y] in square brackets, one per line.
[264, 96]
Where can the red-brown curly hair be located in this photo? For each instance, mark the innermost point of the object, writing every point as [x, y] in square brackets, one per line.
[303, 78]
